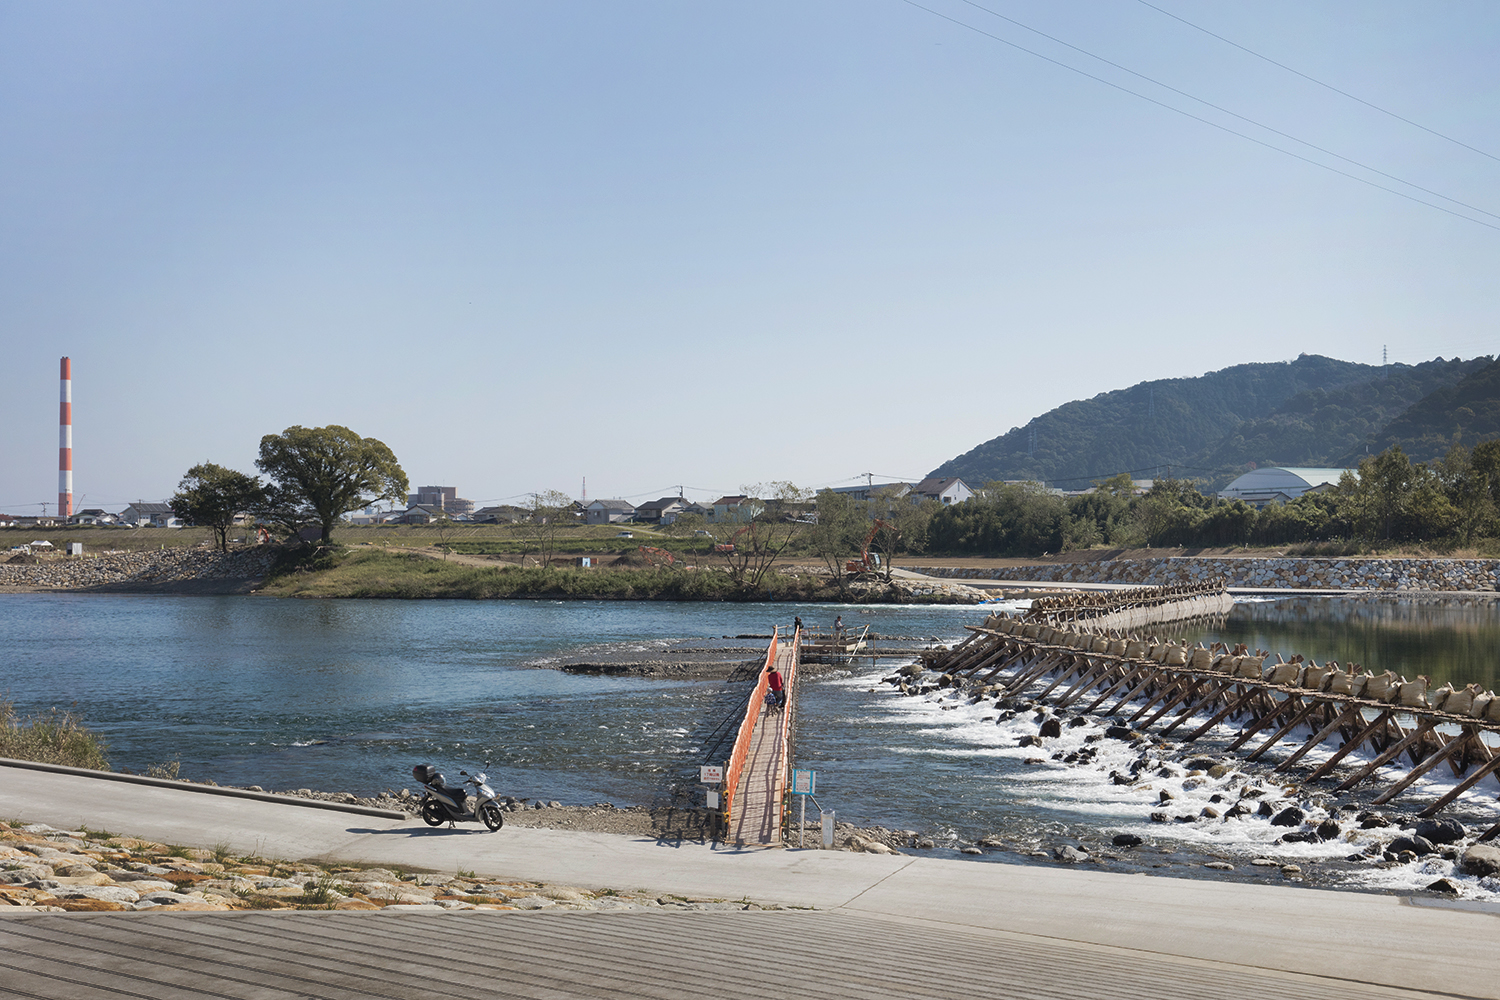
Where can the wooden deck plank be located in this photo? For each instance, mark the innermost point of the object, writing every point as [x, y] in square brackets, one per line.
[652, 955]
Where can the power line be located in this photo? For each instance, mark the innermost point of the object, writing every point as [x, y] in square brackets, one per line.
[1224, 110]
[1206, 121]
[1313, 79]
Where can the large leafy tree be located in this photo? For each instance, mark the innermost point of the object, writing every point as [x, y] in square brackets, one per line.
[328, 471]
[212, 496]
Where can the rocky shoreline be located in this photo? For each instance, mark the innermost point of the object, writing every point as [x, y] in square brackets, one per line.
[1254, 571]
[179, 570]
[46, 870]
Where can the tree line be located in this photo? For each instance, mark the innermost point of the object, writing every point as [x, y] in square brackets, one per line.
[1451, 502]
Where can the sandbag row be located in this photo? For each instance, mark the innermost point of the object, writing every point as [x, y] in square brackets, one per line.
[1471, 701]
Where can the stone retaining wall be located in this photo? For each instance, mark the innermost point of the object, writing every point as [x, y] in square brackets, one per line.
[146, 568]
[1375, 574]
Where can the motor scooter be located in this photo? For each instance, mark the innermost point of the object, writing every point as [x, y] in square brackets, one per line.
[444, 803]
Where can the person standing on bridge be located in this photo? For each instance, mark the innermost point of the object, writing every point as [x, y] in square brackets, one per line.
[775, 688]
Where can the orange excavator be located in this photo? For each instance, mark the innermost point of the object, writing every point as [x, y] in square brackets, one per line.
[657, 557]
[727, 548]
[867, 562]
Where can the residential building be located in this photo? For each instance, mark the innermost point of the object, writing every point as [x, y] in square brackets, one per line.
[419, 514]
[609, 511]
[946, 490]
[157, 515]
[502, 514]
[865, 491]
[663, 511]
[737, 509]
[94, 515]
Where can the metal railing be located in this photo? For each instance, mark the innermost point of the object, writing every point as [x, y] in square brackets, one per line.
[786, 726]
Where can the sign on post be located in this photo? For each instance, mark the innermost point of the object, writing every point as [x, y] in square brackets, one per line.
[804, 783]
[711, 774]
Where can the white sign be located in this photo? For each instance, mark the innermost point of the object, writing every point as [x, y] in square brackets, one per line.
[711, 774]
[804, 782]
[713, 800]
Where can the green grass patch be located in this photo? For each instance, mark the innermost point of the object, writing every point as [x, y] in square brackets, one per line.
[56, 737]
[378, 573]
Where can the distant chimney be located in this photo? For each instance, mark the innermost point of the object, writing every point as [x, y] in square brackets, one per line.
[65, 443]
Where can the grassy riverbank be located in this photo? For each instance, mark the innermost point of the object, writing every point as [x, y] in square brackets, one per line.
[381, 573]
[54, 738]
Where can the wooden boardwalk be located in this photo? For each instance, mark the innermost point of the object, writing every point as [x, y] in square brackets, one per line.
[658, 956]
[756, 814]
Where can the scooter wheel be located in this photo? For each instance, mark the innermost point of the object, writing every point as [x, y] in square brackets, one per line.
[433, 814]
[492, 816]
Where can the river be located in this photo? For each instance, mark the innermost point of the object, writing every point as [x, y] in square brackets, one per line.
[347, 695]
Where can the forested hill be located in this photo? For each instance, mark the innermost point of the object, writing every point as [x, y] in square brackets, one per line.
[1326, 428]
[1311, 411]
[1468, 412]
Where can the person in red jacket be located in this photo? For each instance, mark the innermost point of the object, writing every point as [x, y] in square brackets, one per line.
[775, 688]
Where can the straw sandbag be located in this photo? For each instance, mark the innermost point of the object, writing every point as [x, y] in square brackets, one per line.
[1382, 687]
[1414, 693]
[1286, 673]
[1439, 698]
[1315, 678]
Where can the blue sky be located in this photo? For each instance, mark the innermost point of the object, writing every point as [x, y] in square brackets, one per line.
[655, 244]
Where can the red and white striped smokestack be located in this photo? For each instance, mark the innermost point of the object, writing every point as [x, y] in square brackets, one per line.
[65, 443]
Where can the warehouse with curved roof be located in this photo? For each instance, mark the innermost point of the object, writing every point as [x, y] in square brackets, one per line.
[1278, 484]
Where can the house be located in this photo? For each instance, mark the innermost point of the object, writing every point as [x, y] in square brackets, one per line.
[663, 511]
[737, 509]
[157, 515]
[947, 490]
[609, 511]
[419, 514]
[867, 490]
[501, 514]
[94, 515]
[1278, 484]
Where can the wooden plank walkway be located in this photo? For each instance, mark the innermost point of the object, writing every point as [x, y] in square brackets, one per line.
[656, 956]
[756, 815]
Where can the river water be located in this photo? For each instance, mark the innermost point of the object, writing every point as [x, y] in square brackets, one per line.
[347, 695]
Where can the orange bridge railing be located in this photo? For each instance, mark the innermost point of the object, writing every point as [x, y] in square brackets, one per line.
[741, 750]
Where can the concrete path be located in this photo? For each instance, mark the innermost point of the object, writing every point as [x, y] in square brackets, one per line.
[932, 927]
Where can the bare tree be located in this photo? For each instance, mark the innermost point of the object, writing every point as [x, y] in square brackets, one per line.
[546, 515]
[751, 548]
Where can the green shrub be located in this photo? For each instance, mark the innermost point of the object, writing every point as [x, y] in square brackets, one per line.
[54, 738]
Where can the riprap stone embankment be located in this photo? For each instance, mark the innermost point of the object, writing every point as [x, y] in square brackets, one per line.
[1288, 572]
[162, 569]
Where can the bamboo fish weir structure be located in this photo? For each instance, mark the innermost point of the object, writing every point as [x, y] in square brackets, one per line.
[1094, 654]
